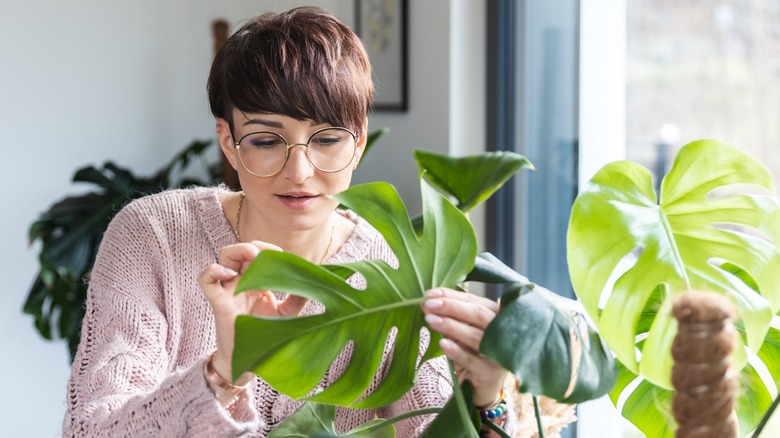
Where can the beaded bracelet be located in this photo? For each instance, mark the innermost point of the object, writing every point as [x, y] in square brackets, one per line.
[492, 414]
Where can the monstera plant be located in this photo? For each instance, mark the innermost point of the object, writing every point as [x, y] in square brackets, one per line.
[715, 226]
[538, 331]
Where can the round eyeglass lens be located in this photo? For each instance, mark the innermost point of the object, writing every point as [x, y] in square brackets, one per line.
[332, 149]
[265, 153]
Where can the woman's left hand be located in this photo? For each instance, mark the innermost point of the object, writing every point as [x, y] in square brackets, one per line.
[462, 318]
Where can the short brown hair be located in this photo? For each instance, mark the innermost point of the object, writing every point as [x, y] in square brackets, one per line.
[302, 63]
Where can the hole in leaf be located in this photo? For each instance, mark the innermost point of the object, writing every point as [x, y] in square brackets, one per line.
[339, 365]
[731, 190]
[739, 277]
[741, 230]
[627, 262]
[630, 388]
[358, 281]
[763, 372]
[312, 307]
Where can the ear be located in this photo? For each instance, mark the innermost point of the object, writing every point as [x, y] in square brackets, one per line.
[362, 140]
[225, 139]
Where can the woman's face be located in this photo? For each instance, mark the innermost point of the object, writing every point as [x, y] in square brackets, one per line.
[294, 199]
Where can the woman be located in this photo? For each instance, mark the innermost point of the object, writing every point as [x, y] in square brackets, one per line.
[290, 93]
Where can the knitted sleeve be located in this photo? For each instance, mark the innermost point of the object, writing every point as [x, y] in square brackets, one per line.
[122, 381]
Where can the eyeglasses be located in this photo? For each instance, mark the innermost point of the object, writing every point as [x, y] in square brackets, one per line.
[264, 153]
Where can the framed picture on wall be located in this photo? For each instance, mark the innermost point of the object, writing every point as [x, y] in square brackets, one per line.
[382, 25]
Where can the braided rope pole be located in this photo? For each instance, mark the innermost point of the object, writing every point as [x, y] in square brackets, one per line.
[705, 388]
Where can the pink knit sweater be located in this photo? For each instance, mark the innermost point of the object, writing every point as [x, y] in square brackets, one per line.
[148, 329]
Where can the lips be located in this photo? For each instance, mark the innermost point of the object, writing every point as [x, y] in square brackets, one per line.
[297, 200]
[297, 195]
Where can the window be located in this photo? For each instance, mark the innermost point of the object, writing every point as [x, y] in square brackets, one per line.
[703, 69]
[532, 109]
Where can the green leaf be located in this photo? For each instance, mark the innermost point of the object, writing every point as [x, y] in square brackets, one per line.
[770, 354]
[373, 136]
[751, 409]
[69, 233]
[489, 269]
[293, 354]
[309, 420]
[648, 407]
[450, 421]
[368, 430]
[716, 204]
[318, 420]
[181, 160]
[532, 337]
[471, 179]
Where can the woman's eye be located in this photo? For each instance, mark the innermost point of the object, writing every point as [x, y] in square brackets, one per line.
[327, 141]
[265, 143]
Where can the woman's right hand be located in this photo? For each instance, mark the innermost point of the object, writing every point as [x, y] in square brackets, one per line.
[219, 281]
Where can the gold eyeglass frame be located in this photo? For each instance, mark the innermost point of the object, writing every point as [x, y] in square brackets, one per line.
[237, 145]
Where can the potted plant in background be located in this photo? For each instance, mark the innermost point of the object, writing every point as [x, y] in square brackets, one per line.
[69, 233]
[715, 226]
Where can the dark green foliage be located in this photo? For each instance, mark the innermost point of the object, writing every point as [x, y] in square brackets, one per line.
[70, 231]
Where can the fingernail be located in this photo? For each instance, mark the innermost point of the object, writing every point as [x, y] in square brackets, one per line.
[446, 344]
[433, 304]
[433, 320]
[229, 271]
[433, 293]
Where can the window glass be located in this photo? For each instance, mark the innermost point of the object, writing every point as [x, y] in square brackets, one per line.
[702, 69]
[547, 115]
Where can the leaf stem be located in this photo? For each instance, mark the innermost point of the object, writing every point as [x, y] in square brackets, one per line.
[538, 415]
[397, 418]
[766, 417]
[496, 428]
[673, 246]
[457, 392]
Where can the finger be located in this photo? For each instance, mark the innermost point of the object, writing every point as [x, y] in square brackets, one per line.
[265, 246]
[445, 293]
[474, 313]
[292, 306]
[238, 256]
[211, 279]
[462, 360]
[464, 334]
[486, 376]
[267, 305]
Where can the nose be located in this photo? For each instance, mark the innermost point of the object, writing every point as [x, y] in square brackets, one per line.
[298, 167]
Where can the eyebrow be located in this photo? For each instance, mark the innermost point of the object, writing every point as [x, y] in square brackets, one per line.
[264, 122]
[270, 123]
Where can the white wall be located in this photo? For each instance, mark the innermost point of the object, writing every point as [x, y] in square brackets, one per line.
[85, 81]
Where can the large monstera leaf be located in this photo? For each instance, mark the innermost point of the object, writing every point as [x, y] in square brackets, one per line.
[716, 228]
[294, 354]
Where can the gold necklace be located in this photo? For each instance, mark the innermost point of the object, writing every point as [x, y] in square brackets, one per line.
[238, 233]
